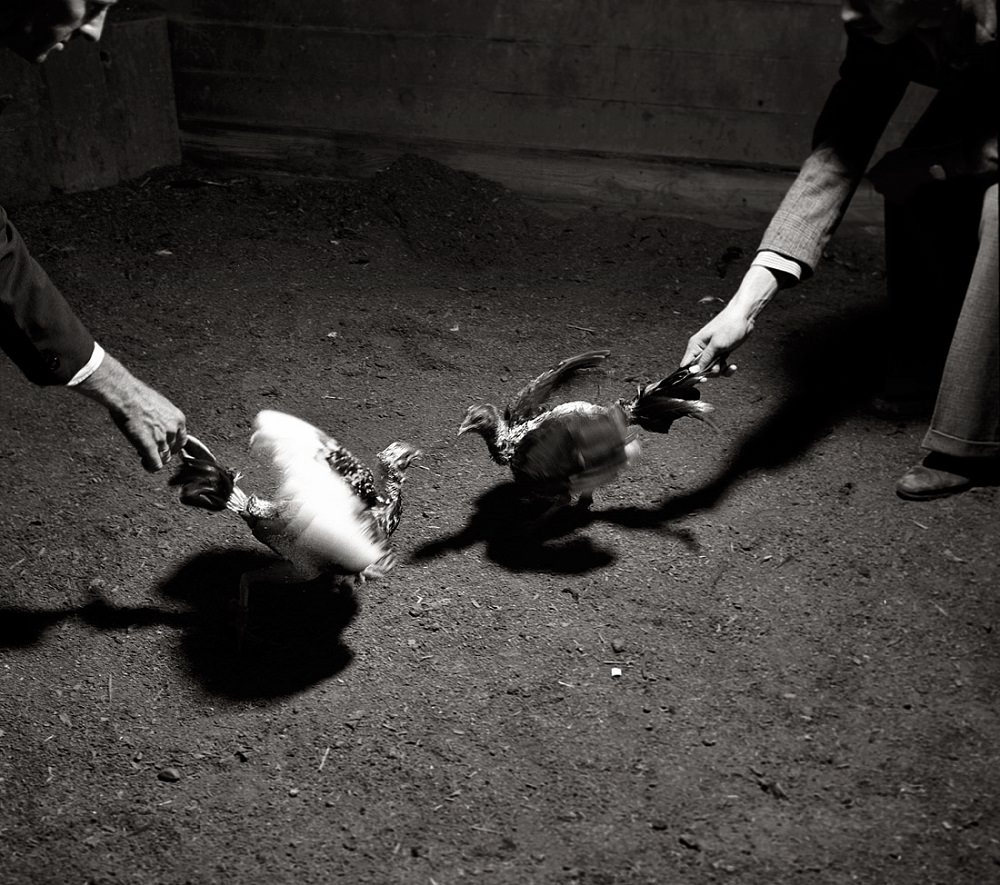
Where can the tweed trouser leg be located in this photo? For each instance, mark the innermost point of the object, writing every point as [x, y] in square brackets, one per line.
[966, 421]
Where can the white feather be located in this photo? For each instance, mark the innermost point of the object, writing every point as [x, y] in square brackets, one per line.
[325, 514]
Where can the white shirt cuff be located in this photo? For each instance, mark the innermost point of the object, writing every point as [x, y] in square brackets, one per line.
[96, 358]
[774, 261]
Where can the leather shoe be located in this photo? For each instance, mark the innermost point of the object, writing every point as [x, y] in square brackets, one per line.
[941, 475]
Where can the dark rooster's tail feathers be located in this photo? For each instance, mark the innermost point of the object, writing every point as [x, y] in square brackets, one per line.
[203, 480]
[656, 406]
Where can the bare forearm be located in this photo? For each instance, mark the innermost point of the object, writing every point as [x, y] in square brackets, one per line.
[111, 384]
[756, 290]
[153, 424]
[711, 345]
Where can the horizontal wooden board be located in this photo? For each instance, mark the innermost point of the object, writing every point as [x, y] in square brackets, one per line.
[602, 73]
[723, 26]
[727, 196]
[730, 137]
[516, 120]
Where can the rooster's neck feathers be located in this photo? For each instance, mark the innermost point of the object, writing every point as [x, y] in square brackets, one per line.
[393, 462]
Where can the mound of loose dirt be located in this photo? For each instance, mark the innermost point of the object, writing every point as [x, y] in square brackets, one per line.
[443, 212]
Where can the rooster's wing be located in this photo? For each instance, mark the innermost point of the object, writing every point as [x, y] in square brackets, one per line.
[535, 394]
[326, 518]
[575, 450]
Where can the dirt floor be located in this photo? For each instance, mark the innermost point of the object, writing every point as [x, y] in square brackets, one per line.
[808, 665]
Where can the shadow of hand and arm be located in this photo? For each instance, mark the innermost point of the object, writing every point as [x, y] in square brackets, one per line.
[22, 627]
[498, 521]
[302, 625]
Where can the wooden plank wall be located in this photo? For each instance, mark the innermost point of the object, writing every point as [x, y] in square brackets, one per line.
[662, 105]
[658, 104]
[728, 81]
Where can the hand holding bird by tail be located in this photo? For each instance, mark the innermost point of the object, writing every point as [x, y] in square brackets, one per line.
[330, 514]
[566, 452]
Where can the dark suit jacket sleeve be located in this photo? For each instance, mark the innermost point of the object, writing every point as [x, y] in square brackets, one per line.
[848, 129]
[38, 329]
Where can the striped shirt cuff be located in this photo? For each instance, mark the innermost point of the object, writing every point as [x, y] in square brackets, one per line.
[96, 358]
[774, 261]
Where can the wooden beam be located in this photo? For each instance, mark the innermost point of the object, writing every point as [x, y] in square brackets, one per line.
[724, 195]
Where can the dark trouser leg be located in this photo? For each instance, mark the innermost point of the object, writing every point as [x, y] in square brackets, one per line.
[966, 422]
[930, 249]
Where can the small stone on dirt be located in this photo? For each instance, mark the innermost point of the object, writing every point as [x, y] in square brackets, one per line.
[772, 787]
[169, 775]
[689, 841]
